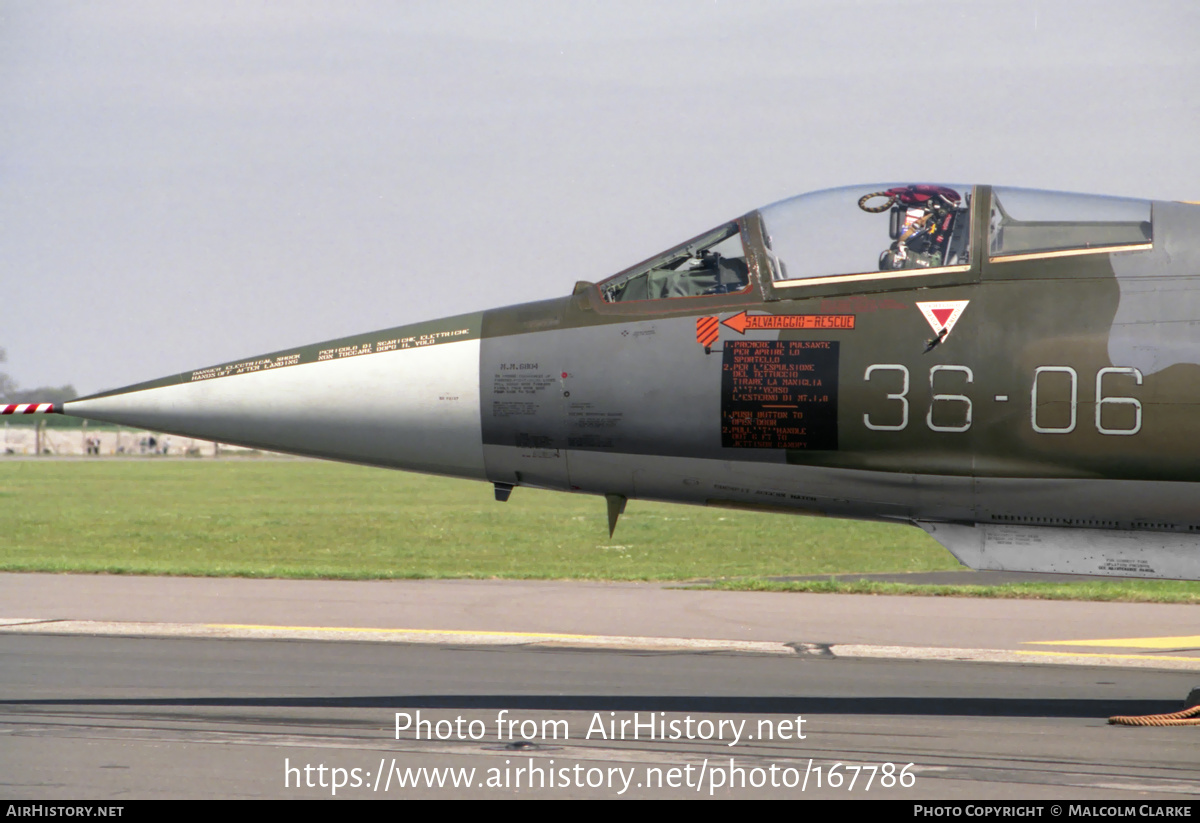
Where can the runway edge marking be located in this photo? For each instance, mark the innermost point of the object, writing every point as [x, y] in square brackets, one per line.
[45, 626]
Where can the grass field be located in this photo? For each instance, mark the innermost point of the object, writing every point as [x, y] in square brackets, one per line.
[298, 518]
[60, 421]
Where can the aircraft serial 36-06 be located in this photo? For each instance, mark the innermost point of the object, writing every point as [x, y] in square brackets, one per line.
[1017, 372]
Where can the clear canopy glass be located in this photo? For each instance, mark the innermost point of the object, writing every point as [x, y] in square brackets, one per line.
[1026, 221]
[874, 228]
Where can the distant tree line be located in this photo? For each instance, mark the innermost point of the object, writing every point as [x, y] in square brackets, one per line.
[11, 393]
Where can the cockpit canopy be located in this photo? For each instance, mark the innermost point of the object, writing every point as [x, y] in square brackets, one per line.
[877, 232]
[865, 229]
[1026, 221]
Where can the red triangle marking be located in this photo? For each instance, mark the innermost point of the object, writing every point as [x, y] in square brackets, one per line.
[942, 315]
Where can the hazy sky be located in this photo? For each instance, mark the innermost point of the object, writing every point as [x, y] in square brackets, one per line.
[187, 183]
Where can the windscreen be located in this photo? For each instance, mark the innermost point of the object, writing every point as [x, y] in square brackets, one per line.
[713, 263]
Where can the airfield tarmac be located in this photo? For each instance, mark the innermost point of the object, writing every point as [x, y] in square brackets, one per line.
[132, 687]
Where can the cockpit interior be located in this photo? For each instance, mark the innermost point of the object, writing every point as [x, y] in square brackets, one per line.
[714, 263]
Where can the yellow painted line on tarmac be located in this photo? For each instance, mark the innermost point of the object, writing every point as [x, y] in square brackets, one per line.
[429, 632]
[1110, 656]
[472, 637]
[1127, 642]
[1062, 658]
[459, 637]
[385, 635]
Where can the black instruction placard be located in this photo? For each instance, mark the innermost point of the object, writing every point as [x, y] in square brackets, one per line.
[779, 394]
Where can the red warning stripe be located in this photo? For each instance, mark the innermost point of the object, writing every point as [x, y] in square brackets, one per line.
[742, 321]
[29, 408]
[708, 329]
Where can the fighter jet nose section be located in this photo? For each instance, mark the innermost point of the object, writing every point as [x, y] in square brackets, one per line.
[783, 361]
[405, 398]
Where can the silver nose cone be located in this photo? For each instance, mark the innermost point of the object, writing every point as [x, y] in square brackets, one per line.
[414, 408]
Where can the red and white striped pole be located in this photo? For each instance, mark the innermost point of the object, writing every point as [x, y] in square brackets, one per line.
[31, 408]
